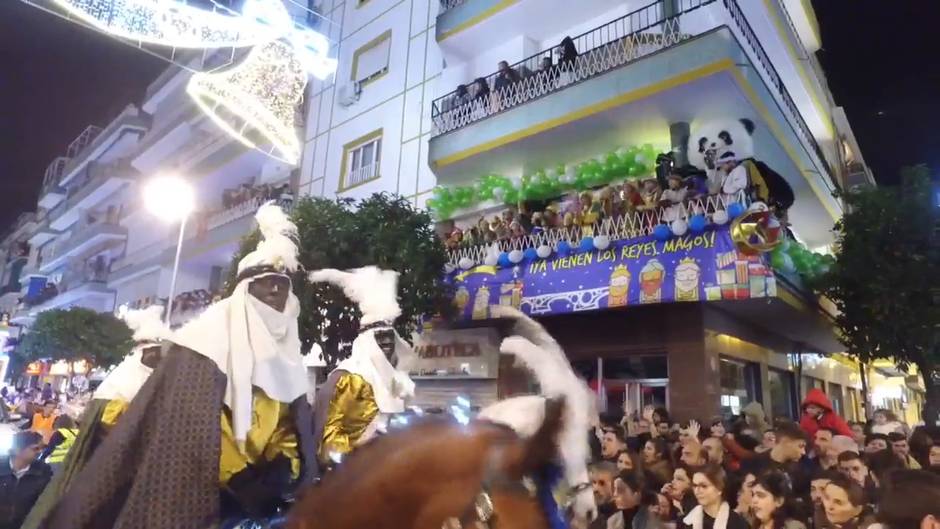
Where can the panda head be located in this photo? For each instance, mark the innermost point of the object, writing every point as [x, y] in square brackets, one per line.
[711, 137]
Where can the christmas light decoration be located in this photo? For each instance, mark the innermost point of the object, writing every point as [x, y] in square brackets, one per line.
[255, 101]
[175, 24]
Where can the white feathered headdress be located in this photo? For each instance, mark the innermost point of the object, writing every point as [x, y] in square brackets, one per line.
[373, 289]
[277, 250]
[147, 324]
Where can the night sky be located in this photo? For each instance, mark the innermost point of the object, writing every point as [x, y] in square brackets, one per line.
[57, 78]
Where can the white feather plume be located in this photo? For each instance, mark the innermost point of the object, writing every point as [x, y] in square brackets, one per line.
[278, 235]
[147, 324]
[373, 289]
[542, 355]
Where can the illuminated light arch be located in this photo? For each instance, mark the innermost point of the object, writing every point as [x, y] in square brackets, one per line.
[255, 101]
[175, 24]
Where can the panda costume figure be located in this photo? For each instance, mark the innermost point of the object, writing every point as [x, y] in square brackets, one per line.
[708, 141]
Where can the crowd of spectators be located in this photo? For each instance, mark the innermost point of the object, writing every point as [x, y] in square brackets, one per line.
[822, 472]
[244, 193]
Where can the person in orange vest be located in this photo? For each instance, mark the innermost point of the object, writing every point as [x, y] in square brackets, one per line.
[43, 420]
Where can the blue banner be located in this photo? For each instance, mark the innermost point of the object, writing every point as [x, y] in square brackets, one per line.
[703, 267]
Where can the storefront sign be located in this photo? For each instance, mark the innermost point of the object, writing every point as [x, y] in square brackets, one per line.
[457, 353]
[704, 267]
[34, 368]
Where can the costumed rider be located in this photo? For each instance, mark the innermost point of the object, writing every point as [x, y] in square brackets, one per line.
[106, 406]
[365, 390]
[222, 429]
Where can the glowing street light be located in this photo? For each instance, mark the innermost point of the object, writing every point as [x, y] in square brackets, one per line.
[171, 199]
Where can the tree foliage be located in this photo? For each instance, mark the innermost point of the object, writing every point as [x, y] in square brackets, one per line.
[77, 333]
[382, 230]
[885, 274]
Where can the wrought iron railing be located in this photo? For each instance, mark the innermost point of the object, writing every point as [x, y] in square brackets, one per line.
[628, 226]
[600, 50]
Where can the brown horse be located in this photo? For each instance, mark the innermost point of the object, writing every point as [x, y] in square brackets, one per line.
[436, 474]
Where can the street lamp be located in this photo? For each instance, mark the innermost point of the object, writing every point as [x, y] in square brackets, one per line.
[171, 199]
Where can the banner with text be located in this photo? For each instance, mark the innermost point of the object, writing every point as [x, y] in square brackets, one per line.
[703, 267]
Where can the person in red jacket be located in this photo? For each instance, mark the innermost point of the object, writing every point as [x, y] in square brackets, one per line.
[817, 413]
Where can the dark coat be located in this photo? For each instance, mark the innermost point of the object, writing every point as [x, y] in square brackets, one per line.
[17, 496]
[159, 466]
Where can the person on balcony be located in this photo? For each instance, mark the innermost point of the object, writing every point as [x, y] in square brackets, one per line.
[460, 97]
[480, 89]
[505, 77]
[567, 54]
[733, 176]
[672, 198]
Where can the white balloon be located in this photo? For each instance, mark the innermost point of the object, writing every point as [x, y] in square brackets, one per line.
[720, 217]
[641, 158]
[491, 260]
[551, 172]
[679, 227]
[601, 242]
[516, 256]
[466, 263]
[449, 267]
[544, 251]
[499, 193]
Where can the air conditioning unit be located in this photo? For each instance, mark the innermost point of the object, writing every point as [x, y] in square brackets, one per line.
[349, 93]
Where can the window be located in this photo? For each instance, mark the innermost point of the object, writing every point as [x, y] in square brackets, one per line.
[361, 158]
[835, 396]
[371, 60]
[739, 385]
[782, 393]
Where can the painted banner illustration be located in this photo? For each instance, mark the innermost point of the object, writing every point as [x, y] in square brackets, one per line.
[703, 267]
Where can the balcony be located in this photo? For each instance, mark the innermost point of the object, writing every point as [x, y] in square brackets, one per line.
[100, 182]
[631, 79]
[85, 286]
[95, 144]
[83, 242]
[51, 193]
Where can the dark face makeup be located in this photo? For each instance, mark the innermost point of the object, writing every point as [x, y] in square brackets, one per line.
[272, 290]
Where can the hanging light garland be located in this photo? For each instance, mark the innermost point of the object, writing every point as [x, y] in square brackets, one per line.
[175, 24]
[254, 101]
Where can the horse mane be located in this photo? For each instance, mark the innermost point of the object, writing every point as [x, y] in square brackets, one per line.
[390, 464]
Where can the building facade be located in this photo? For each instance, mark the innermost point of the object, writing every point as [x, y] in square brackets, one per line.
[394, 119]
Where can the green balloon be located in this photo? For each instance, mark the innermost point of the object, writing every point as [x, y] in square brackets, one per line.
[636, 170]
[778, 260]
[560, 169]
[593, 166]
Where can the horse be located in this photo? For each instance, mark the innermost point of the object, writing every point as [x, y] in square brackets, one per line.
[438, 473]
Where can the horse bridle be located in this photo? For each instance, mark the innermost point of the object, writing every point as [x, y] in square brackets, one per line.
[481, 513]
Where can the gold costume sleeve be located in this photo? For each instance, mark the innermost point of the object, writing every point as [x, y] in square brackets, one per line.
[272, 433]
[112, 412]
[351, 411]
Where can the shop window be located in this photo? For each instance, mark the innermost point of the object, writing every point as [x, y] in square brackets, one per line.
[782, 393]
[807, 383]
[835, 396]
[370, 62]
[361, 159]
[740, 384]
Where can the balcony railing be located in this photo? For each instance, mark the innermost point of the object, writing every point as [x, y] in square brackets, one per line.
[601, 50]
[605, 48]
[628, 226]
[362, 174]
[53, 173]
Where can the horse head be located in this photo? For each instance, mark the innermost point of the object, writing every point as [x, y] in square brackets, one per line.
[439, 474]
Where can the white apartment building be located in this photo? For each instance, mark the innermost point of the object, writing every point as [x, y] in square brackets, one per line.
[96, 246]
